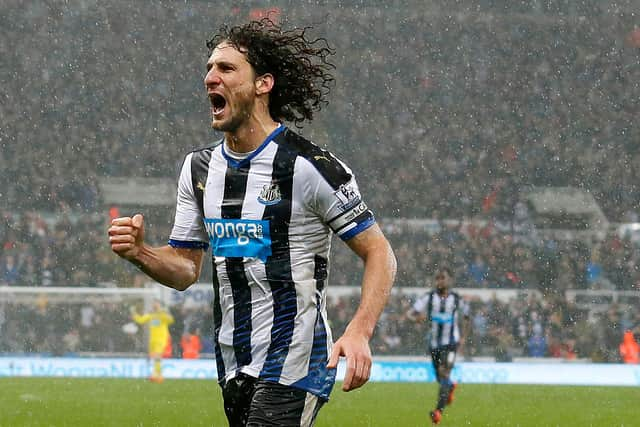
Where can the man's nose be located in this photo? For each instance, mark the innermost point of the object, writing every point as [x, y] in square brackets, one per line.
[211, 78]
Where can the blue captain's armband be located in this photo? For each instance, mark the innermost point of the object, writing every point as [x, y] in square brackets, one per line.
[357, 228]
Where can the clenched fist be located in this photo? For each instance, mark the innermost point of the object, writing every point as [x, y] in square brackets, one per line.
[126, 236]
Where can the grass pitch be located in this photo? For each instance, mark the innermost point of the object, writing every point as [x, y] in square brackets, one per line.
[83, 402]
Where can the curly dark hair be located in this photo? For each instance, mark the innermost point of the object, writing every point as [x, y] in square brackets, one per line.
[299, 65]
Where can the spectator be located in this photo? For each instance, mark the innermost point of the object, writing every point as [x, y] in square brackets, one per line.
[537, 343]
[10, 270]
[629, 348]
[191, 344]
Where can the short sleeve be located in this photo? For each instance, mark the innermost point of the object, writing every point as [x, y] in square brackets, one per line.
[420, 305]
[342, 207]
[188, 227]
[464, 308]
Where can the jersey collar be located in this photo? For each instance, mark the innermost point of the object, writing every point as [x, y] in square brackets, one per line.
[237, 164]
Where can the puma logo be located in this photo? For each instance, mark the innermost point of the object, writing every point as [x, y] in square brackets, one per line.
[200, 186]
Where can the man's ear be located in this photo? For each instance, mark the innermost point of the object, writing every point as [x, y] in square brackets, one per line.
[264, 84]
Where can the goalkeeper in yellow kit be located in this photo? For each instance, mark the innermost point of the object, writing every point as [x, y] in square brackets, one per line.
[159, 321]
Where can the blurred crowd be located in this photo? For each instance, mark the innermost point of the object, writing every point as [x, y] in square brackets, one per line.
[492, 255]
[64, 250]
[441, 114]
[523, 326]
[94, 327]
[471, 109]
[72, 250]
[444, 116]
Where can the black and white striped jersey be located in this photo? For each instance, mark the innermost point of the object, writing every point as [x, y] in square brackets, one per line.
[443, 315]
[269, 219]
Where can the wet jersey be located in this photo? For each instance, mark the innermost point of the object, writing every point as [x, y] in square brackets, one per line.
[269, 219]
[443, 314]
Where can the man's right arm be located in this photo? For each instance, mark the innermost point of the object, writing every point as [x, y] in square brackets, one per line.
[417, 312]
[177, 268]
[140, 318]
[416, 316]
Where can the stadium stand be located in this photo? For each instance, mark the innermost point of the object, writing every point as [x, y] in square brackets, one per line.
[449, 119]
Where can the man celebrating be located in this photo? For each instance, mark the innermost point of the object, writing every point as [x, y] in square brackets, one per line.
[267, 201]
[442, 307]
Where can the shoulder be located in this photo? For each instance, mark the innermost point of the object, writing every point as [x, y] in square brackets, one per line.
[209, 148]
[197, 161]
[424, 296]
[324, 162]
[203, 153]
[427, 297]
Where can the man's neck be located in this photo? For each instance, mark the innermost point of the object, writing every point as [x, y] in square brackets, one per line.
[442, 292]
[250, 136]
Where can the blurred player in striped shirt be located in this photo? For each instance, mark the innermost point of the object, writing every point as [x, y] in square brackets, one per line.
[442, 308]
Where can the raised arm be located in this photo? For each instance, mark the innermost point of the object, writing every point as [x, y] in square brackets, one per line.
[177, 268]
[379, 274]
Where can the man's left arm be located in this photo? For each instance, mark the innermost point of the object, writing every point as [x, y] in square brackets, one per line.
[379, 274]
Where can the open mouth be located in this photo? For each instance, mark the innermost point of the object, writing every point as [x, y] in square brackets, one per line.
[217, 103]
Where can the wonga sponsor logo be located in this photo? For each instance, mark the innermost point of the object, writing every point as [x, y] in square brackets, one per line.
[490, 374]
[402, 372]
[239, 237]
[442, 318]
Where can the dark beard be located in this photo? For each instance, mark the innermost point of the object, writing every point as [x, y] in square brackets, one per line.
[244, 108]
[230, 126]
